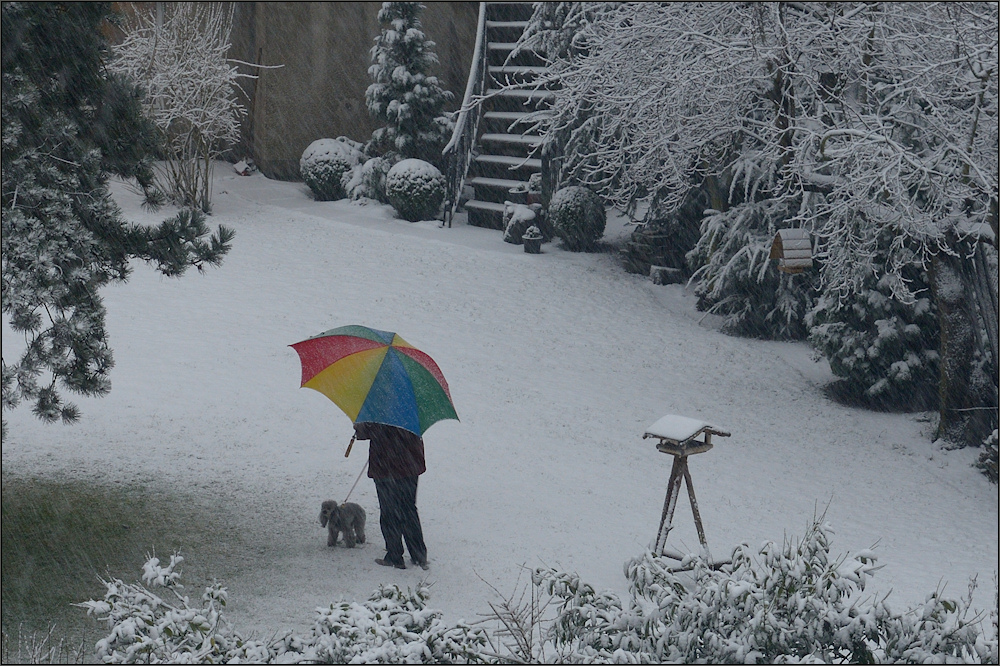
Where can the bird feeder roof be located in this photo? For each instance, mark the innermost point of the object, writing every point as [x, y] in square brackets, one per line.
[681, 428]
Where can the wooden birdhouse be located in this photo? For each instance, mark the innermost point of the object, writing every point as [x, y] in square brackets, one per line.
[793, 250]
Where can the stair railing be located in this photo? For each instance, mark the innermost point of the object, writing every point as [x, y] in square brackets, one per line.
[463, 138]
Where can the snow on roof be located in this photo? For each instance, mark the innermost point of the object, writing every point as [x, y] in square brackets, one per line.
[677, 428]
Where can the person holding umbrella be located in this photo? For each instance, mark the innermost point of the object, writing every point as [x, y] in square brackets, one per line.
[393, 392]
[395, 463]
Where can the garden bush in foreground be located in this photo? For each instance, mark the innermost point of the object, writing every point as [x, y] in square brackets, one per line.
[789, 603]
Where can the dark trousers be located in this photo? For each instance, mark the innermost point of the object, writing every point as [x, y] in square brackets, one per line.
[397, 501]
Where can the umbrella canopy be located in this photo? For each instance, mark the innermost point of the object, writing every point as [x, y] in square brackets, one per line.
[376, 377]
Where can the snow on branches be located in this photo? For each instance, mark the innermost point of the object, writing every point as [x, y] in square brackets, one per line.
[177, 53]
[403, 94]
[781, 603]
[858, 116]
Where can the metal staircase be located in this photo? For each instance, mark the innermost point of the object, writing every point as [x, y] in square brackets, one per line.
[486, 152]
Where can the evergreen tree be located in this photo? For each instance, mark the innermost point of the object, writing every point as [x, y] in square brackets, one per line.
[67, 124]
[404, 95]
[885, 349]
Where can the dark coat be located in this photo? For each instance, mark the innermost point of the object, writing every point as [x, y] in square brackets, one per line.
[393, 453]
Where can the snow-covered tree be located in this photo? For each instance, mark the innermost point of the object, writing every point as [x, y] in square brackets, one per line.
[885, 349]
[848, 119]
[178, 52]
[404, 95]
[67, 124]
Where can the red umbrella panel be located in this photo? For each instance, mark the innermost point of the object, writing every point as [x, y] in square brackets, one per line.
[376, 377]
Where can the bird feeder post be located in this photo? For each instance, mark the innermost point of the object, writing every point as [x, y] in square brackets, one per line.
[678, 437]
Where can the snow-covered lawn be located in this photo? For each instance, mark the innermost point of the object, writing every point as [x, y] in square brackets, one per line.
[557, 364]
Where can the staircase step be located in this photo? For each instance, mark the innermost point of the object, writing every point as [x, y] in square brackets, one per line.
[485, 205]
[517, 69]
[510, 162]
[496, 183]
[503, 121]
[507, 24]
[501, 46]
[485, 214]
[546, 95]
[509, 116]
[520, 139]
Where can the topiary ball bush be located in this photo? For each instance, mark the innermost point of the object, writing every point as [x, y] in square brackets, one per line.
[577, 216]
[415, 188]
[324, 163]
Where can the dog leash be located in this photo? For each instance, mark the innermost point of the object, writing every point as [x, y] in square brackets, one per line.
[356, 482]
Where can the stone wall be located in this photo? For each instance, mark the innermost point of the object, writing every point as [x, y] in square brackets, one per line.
[319, 92]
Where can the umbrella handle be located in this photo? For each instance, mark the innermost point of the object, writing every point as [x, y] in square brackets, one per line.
[348, 451]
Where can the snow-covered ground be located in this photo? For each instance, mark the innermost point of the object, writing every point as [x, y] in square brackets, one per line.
[557, 364]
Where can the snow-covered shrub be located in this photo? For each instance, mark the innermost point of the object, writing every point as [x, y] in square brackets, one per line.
[736, 279]
[403, 94]
[415, 188]
[885, 349]
[324, 163]
[179, 57]
[367, 181]
[517, 218]
[146, 628]
[578, 217]
[393, 626]
[789, 603]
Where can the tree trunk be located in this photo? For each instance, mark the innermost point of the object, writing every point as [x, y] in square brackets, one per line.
[961, 420]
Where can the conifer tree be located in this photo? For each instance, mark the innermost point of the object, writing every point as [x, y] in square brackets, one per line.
[403, 94]
[67, 125]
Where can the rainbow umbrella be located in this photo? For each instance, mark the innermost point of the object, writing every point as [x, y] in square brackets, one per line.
[376, 377]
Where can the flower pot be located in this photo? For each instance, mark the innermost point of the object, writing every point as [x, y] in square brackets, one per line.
[517, 196]
[532, 244]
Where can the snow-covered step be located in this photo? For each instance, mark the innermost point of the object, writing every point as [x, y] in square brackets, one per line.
[508, 161]
[509, 116]
[527, 95]
[496, 183]
[519, 139]
[501, 46]
[517, 69]
[507, 24]
[487, 206]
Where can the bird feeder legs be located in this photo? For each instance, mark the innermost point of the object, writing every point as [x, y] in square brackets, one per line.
[697, 516]
[679, 472]
[670, 501]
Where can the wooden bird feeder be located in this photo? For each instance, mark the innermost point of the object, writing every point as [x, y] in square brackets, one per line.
[793, 250]
[679, 436]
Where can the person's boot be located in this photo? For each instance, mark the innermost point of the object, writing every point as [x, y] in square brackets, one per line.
[388, 563]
